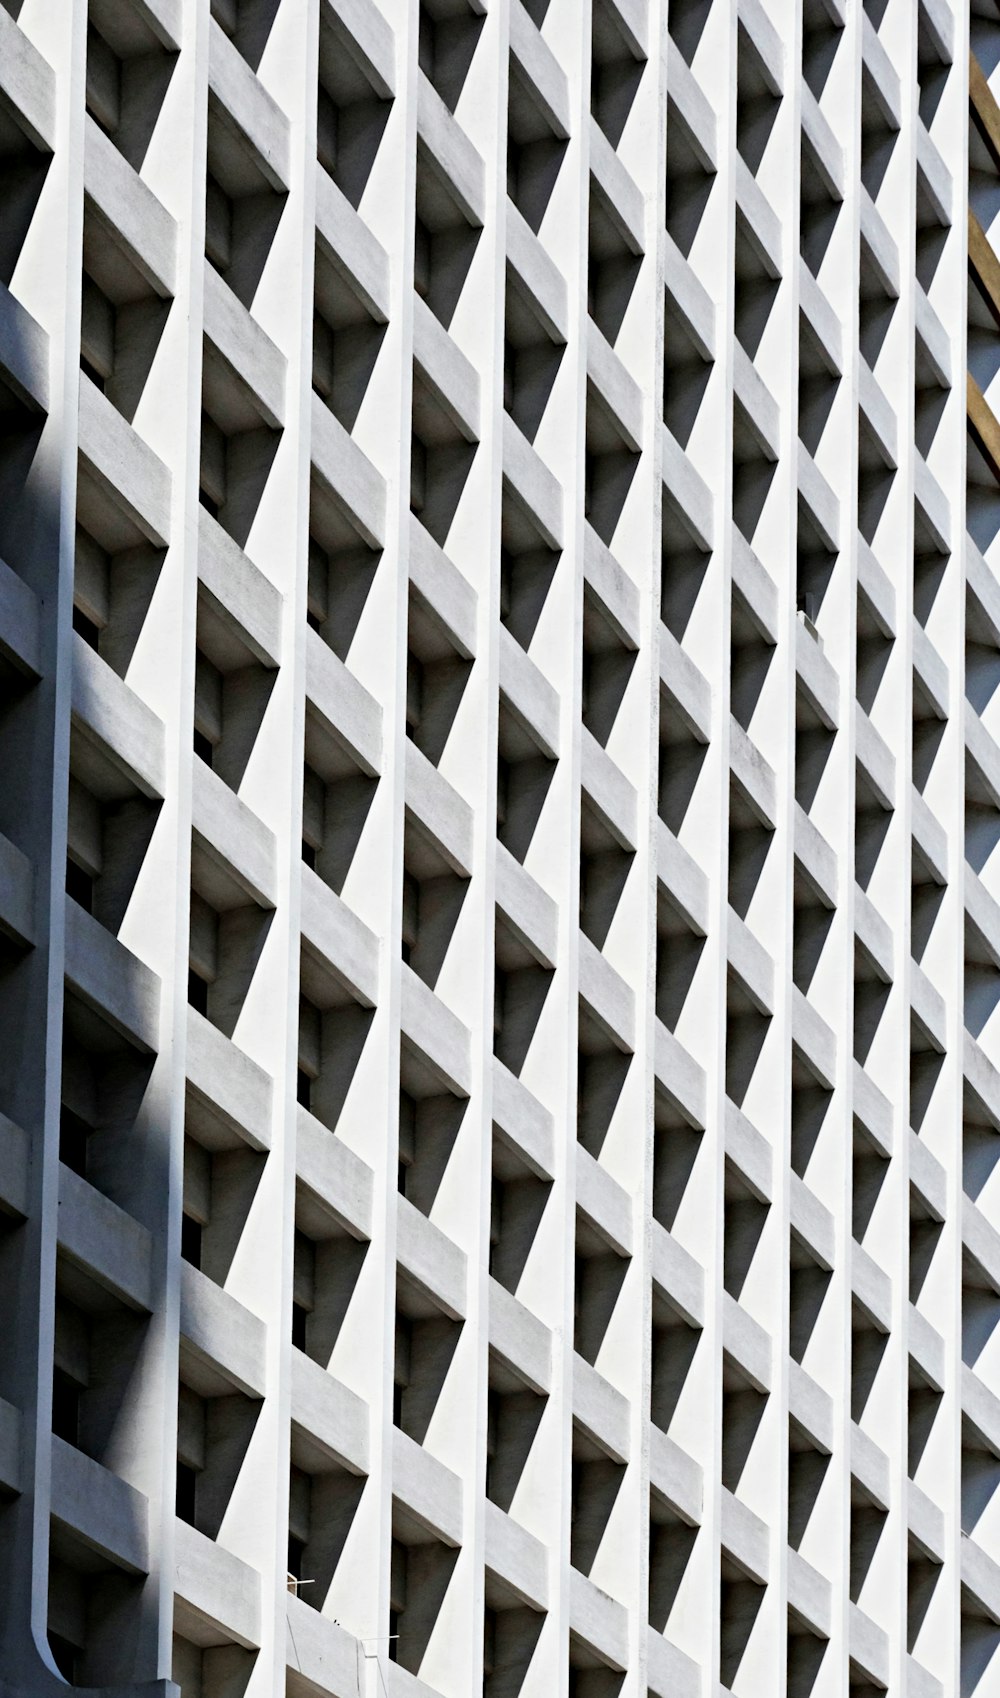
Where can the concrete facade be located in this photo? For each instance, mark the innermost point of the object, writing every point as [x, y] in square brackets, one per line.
[499, 636]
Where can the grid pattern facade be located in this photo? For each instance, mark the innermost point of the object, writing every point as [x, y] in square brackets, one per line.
[499, 634]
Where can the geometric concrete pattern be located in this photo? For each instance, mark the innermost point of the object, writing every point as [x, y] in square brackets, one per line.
[499, 929]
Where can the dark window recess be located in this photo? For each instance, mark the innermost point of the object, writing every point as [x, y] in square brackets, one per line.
[209, 503]
[73, 1135]
[191, 1242]
[90, 370]
[296, 1552]
[187, 1482]
[314, 621]
[309, 854]
[65, 1406]
[197, 992]
[203, 747]
[79, 885]
[397, 1405]
[303, 1088]
[64, 1655]
[86, 627]
[300, 1318]
[394, 1635]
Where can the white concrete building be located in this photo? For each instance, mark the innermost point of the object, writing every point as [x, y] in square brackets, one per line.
[499, 805]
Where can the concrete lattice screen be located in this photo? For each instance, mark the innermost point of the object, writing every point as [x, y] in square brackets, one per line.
[498, 819]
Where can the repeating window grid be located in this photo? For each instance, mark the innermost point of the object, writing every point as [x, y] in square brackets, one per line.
[286, 650]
